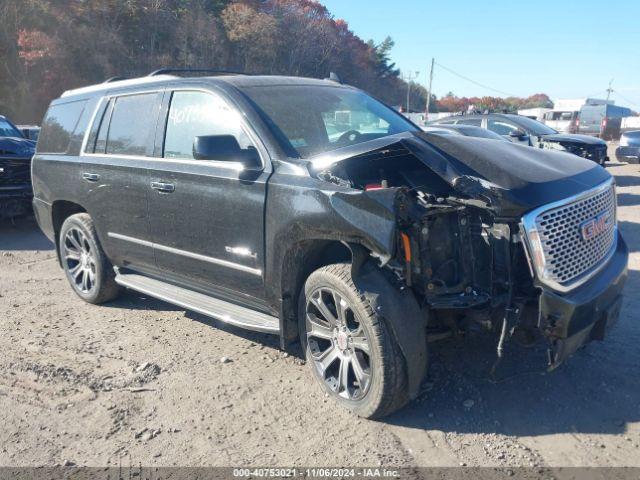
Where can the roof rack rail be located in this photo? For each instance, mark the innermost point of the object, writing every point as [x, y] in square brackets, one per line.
[114, 79]
[165, 71]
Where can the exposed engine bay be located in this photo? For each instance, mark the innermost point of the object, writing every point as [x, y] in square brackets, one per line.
[595, 153]
[466, 264]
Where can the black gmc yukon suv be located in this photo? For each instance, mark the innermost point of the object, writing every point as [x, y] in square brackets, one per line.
[307, 209]
[15, 166]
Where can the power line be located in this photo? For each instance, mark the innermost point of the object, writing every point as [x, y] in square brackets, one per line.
[474, 82]
[616, 92]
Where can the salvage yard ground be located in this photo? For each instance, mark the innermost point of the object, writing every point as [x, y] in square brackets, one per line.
[138, 378]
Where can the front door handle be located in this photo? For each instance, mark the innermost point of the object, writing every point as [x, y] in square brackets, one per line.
[91, 177]
[163, 187]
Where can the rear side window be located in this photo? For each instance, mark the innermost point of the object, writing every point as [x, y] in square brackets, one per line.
[60, 127]
[132, 125]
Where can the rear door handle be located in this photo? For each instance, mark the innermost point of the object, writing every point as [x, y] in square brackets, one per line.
[91, 177]
[163, 187]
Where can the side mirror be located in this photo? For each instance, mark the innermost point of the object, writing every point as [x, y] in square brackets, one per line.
[517, 134]
[225, 148]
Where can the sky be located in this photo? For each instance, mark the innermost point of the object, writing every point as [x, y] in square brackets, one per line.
[564, 48]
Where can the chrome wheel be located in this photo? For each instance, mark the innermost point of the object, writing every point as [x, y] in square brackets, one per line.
[338, 344]
[79, 260]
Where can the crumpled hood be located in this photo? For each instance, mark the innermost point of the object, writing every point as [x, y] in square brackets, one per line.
[18, 147]
[573, 138]
[510, 178]
[522, 178]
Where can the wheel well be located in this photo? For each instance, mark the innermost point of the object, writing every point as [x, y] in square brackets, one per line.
[60, 211]
[302, 260]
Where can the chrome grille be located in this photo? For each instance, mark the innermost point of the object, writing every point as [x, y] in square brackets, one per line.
[556, 233]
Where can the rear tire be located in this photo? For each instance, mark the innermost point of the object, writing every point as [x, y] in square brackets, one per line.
[88, 270]
[351, 351]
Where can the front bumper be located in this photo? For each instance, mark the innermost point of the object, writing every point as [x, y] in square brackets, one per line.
[628, 154]
[15, 201]
[571, 320]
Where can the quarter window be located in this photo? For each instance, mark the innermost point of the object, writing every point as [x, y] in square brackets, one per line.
[59, 127]
[194, 114]
[132, 125]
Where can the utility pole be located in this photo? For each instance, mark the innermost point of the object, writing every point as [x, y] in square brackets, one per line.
[426, 113]
[409, 78]
[609, 90]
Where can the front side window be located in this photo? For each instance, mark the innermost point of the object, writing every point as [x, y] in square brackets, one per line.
[195, 114]
[476, 122]
[314, 119]
[501, 127]
[132, 125]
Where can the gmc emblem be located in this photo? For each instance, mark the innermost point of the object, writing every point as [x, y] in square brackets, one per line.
[595, 226]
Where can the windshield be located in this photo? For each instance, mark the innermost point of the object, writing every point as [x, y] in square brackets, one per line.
[535, 127]
[8, 130]
[316, 119]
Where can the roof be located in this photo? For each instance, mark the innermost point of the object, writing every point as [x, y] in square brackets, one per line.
[239, 81]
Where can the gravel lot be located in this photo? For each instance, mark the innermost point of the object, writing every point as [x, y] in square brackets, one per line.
[142, 379]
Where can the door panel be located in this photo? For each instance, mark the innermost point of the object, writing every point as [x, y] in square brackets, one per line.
[116, 178]
[207, 216]
[119, 202]
[209, 230]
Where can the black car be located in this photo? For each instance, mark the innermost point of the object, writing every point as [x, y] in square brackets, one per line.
[527, 131]
[15, 178]
[629, 147]
[307, 209]
[466, 130]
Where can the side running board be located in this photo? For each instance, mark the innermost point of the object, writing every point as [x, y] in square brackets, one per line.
[198, 302]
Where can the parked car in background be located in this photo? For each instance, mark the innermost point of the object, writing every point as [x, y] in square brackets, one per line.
[466, 130]
[526, 131]
[603, 121]
[630, 123]
[15, 170]
[629, 148]
[562, 121]
[30, 131]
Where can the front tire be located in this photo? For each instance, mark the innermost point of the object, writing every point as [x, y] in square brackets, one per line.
[350, 349]
[88, 270]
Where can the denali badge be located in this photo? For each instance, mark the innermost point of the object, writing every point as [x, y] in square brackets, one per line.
[595, 226]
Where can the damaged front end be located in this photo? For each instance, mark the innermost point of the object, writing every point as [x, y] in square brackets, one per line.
[462, 244]
[584, 146]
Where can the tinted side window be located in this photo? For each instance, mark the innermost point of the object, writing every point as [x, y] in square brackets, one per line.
[59, 127]
[476, 122]
[501, 127]
[132, 125]
[194, 114]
